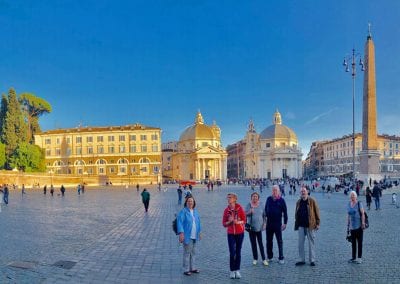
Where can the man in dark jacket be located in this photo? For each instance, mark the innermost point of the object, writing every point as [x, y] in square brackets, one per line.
[145, 199]
[275, 209]
[377, 193]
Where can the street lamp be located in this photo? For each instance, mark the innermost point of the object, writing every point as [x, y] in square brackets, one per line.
[353, 58]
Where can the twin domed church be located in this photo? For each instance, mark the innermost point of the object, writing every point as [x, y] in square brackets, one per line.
[199, 154]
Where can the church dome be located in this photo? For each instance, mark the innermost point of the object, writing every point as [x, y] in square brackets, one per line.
[277, 130]
[198, 131]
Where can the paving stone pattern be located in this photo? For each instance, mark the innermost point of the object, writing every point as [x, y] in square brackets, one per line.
[104, 236]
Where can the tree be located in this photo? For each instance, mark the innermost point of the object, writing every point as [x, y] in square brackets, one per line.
[2, 155]
[29, 158]
[34, 107]
[14, 127]
[3, 110]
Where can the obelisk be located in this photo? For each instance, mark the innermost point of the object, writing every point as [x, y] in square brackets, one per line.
[369, 156]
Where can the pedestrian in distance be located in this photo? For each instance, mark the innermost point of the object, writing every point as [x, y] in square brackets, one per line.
[368, 197]
[145, 199]
[45, 189]
[377, 194]
[189, 230]
[23, 190]
[233, 220]
[5, 194]
[307, 222]
[79, 189]
[83, 188]
[51, 190]
[137, 187]
[356, 225]
[275, 210]
[62, 189]
[180, 192]
[256, 219]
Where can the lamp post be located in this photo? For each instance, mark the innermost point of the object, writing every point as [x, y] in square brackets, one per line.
[353, 58]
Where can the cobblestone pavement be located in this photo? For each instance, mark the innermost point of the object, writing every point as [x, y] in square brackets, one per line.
[104, 236]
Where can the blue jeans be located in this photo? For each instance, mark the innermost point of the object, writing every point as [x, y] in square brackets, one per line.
[377, 203]
[235, 248]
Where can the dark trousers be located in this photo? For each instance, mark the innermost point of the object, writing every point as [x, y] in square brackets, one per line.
[377, 203]
[146, 204]
[254, 238]
[235, 248]
[356, 239]
[5, 198]
[270, 237]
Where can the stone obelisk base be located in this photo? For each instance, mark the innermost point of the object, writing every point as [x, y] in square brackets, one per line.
[369, 166]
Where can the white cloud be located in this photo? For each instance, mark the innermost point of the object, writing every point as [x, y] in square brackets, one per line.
[319, 116]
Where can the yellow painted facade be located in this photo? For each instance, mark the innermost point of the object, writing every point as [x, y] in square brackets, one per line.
[130, 152]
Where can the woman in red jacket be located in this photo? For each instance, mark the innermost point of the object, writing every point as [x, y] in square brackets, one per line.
[234, 219]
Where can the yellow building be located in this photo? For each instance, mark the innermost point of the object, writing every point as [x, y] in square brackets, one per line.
[199, 154]
[132, 152]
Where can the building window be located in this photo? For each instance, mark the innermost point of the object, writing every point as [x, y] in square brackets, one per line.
[133, 148]
[58, 141]
[48, 152]
[143, 148]
[110, 138]
[100, 139]
[58, 152]
[69, 151]
[89, 139]
[78, 139]
[100, 149]
[79, 150]
[68, 140]
[143, 137]
[154, 137]
[155, 169]
[268, 145]
[90, 171]
[101, 170]
[90, 150]
[204, 144]
[122, 138]
[154, 148]
[110, 149]
[47, 141]
[122, 149]
[112, 170]
[132, 137]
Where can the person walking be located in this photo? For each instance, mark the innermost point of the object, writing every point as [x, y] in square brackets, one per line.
[45, 189]
[137, 187]
[62, 189]
[79, 189]
[51, 190]
[189, 230]
[255, 217]
[356, 225]
[23, 190]
[180, 192]
[307, 221]
[145, 199]
[5, 194]
[275, 210]
[368, 197]
[377, 194]
[233, 220]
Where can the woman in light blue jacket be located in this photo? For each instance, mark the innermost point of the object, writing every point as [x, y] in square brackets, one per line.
[189, 228]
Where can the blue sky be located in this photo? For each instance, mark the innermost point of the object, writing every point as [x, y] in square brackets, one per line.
[157, 62]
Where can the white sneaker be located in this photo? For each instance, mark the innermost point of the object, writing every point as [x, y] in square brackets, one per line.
[359, 261]
[238, 276]
[281, 261]
[265, 262]
[254, 262]
[232, 275]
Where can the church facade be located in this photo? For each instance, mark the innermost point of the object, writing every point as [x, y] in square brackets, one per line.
[198, 155]
[273, 153]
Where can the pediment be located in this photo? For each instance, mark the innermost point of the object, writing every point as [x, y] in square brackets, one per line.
[207, 149]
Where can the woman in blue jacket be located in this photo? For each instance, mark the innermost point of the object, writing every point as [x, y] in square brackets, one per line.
[189, 228]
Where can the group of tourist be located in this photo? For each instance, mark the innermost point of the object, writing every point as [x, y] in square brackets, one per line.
[271, 217]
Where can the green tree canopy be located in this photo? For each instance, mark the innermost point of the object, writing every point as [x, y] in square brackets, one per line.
[34, 107]
[2, 155]
[14, 127]
[28, 157]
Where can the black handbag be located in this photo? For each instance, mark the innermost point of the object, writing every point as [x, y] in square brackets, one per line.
[348, 237]
[248, 226]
